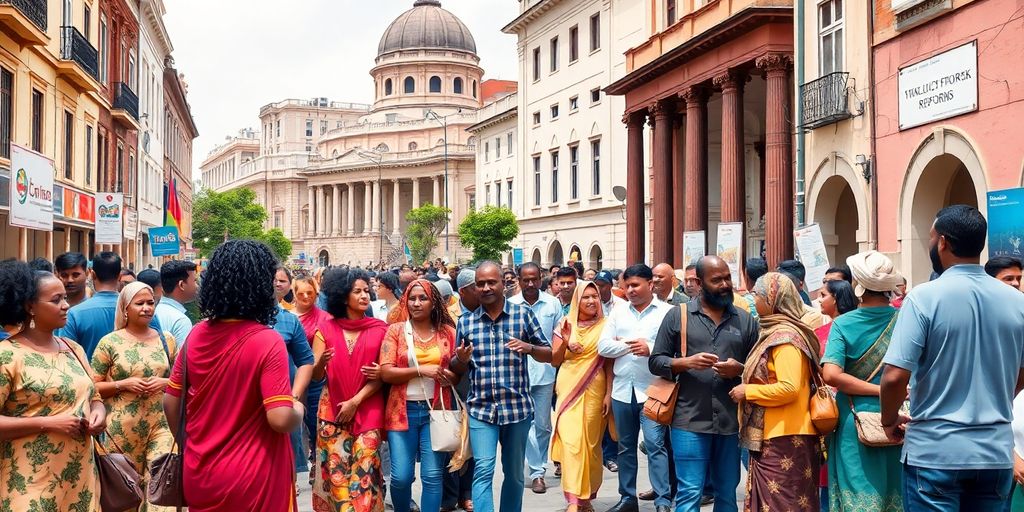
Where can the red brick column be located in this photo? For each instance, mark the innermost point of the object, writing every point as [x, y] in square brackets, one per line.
[678, 191]
[734, 200]
[778, 156]
[663, 244]
[635, 247]
[696, 216]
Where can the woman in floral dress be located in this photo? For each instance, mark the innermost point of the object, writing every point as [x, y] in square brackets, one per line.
[49, 408]
[132, 366]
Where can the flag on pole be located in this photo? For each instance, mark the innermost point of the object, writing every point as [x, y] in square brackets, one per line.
[172, 207]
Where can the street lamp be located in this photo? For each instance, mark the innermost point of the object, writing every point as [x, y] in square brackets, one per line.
[377, 158]
[444, 122]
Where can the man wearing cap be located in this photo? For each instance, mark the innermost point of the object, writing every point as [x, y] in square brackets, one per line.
[609, 301]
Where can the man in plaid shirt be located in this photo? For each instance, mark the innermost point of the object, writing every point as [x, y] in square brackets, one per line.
[494, 342]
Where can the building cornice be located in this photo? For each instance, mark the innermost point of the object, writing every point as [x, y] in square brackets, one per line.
[500, 117]
[529, 15]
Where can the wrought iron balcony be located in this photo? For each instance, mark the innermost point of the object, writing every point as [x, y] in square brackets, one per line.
[825, 100]
[126, 100]
[25, 19]
[76, 48]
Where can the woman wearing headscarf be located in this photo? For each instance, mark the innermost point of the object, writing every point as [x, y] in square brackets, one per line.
[775, 418]
[861, 477]
[133, 365]
[584, 395]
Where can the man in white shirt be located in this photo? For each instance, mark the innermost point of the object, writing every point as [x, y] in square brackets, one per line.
[548, 311]
[628, 337]
[178, 280]
[609, 301]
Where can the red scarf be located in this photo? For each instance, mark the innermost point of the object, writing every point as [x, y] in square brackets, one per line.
[344, 378]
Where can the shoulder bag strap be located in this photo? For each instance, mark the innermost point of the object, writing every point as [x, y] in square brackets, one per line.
[413, 363]
[88, 375]
[683, 314]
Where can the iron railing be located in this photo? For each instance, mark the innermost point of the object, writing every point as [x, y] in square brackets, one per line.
[34, 10]
[825, 100]
[125, 99]
[75, 47]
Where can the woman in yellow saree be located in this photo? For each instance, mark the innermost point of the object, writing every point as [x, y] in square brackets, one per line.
[583, 409]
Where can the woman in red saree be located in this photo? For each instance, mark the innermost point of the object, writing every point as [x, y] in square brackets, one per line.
[584, 397]
[238, 399]
[351, 414]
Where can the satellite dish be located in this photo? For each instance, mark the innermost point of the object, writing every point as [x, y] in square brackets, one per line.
[620, 193]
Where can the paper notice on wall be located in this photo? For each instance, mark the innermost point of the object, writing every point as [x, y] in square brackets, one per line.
[730, 247]
[109, 217]
[810, 248]
[694, 246]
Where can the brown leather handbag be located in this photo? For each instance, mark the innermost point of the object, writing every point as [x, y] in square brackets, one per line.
[823, 407]
[166, 481]
[660, 405]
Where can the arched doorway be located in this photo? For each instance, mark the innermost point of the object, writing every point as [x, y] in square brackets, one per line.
[555, 256]
[596, 260]
[575, 253]
[836, 212]
[536, 256]
[324, 258]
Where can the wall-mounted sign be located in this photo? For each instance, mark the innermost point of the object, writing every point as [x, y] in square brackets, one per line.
[109, 217]
[164, 241]
[517, 256]
[31, 189]
[730, 247]
[74, 205]
[1006, 223]
[694, 246]
[940, 87]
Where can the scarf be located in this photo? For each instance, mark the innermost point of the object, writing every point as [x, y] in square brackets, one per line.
[125, 298]
[344, 378]
[780, 327]
[873, 271]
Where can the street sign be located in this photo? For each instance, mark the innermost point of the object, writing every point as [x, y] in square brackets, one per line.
[31, 189]
[164, 241]
[517, 256]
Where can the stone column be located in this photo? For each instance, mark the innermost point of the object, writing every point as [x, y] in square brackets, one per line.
[367, 207]
[415, 193]
[351, 195]
[437, 192]
[321, 211]
[311, 212]
[678, 188]
[377, 206]
[396, 207]
[734, 195]
[328, 208]
[696, 217]
[634, 187]
[779, 165]
[661, 195]
[336, 210]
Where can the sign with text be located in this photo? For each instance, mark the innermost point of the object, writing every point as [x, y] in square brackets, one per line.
[694, 246]
[1006, 223]
[730, 247]
[109, 217]
[941, 87]
[31, 189]
[164, 241]
[810, 248]
[517, 256]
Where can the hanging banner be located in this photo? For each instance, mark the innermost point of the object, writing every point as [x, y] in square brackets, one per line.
[694, 246]
[31, 190]
[164, 241]
[517, 256]
[109, 217]
[730, 247]
[1006, 223]
[810, 248]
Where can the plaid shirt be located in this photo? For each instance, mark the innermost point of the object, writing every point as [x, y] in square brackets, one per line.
[499, 380]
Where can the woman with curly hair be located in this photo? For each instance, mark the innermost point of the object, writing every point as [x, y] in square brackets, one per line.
[428, 340]
[351, 413]
[238, 402]
[49, 407]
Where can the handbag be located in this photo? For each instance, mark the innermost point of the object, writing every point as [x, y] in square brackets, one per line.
[660, 405]
[445, 425]
[465, 451]
[823, 407]
[166, 481]
[869, 424]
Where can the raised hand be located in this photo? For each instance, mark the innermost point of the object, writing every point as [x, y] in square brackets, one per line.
[465, 352]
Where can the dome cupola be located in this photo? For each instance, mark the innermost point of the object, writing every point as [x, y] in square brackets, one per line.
[426, 26]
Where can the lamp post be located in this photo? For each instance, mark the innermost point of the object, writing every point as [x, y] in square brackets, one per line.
[377, 158]
[447, 225]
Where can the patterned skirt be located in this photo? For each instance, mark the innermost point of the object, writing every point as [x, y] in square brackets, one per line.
[348, 474]
[784, 475]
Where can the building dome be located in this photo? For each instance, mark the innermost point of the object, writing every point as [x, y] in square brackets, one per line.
[426, 25]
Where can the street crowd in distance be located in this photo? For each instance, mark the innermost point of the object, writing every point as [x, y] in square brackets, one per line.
[869, 397]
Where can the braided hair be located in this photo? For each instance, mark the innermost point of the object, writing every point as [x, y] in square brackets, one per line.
[439, 315]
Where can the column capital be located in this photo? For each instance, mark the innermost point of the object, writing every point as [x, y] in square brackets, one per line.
[662, 108]
[774, 62]
[695, 95]
[635, 118]
[730, 80]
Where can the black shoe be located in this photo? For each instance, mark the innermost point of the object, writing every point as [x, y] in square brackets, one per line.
[707, 499]
[612, 466]
[625, 505]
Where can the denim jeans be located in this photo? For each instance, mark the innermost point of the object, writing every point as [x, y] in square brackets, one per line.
[629, 420]
[313, 393]
[301, 458]
[948, 490]
[485, 438]
[609, 448]
[406, 447]
[700, 457]
[458, 486]
[540, 432]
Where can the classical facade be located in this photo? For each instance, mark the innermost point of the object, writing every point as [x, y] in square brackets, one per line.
[498, 157]
[154, 49]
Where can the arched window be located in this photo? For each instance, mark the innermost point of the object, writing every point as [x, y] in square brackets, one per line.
[334, 153]
[382, 148]
[435, 84]
[474, 88]
[412, 146]
[388, 89]
[410, 85]
[457, 85]
[440, 142]
[471, 142]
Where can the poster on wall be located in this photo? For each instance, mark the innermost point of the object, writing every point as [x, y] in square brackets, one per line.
[940, 87]
[109, 217]
[31, 190]
[517, 256]
[694, 246]
[730, 247]
[1006, 223]
[164, 241]
[810, 248]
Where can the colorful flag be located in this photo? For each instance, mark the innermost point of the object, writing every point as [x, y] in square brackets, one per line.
[172, 207]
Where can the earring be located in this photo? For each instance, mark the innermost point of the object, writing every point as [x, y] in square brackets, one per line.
[32, 322]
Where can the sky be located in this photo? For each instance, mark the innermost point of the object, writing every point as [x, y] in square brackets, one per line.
[238, 55]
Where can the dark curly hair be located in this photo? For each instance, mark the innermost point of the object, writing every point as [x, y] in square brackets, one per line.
[238, 283]
[337, 286]
[17, 288]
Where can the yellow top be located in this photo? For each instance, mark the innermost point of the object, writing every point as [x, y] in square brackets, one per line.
[428, 354]
[787, 399]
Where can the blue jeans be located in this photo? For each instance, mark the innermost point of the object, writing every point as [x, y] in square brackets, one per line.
[484, 438]
[629, 420]
[609, 448]
[301, 459]
[313, 393]
[458, 486]
[703, 459]
[540, 432]
[405, 447]
[948, 490]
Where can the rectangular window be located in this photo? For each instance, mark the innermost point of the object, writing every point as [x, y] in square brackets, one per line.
[574, 103]
[670, 12]
[574, 172]
[309, 148]
[6, 112]
[536, 181]
[131, 70]
[554, 54]
[487, 151]
[88, 155]
[508, 190]
[132, 173]
[37, 120]
[87, 22]
[101, 162]
[595, 171]
[279, 220]
[119, 169]
[536, 118]
[309, 127]
[69, 141]
[574, 43]
[497, 193]
[830, 36]
[487, 194]
[104, 48]
[277, 128]
[323, 127]
[595, 32]
[497, 147]
[510, 152]
[536, 64]
[554, 176]
[595, 96]
[554, 111]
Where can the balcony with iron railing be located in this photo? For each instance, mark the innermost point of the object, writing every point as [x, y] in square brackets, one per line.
[126, 105]
[79, 59]
[825, 100]
[25, 19]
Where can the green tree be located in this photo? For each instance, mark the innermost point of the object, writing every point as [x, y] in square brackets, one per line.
[425, 224]
[217, 216]
[488, 232]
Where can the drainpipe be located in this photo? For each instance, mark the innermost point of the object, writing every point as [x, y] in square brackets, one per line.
[873, 159]
[798, 51]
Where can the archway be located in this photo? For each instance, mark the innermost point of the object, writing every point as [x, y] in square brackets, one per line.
[536, 256]
[324, 258]
[596, 260]
[575, 253]
[555, 256]
[838, 214]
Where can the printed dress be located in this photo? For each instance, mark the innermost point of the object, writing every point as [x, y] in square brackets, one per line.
[46, 471]
[136, 423]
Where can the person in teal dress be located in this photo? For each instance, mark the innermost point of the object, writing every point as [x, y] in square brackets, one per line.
[861, 478]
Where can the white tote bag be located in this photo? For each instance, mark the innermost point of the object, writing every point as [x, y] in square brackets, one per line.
[445, 425]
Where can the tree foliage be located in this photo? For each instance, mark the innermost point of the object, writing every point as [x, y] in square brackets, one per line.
[488, 232]
[425, 224]
[232, 214]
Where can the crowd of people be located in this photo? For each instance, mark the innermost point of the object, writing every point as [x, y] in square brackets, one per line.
[259, 373]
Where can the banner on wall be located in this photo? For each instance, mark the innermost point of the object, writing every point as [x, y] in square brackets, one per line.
[694, 246]
[1006, 223]
[109, 218]
[31, 190]
[164, 241]
[730, 247]
[810, 248]
[517, 256]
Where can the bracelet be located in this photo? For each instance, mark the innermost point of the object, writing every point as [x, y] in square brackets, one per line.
[117, 387]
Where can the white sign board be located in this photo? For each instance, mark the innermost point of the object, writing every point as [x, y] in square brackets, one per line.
[109, 216]
[131, 223]
[694, 246]
[941, 87]
[810, 247]
[730, 247]
[31, 190]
